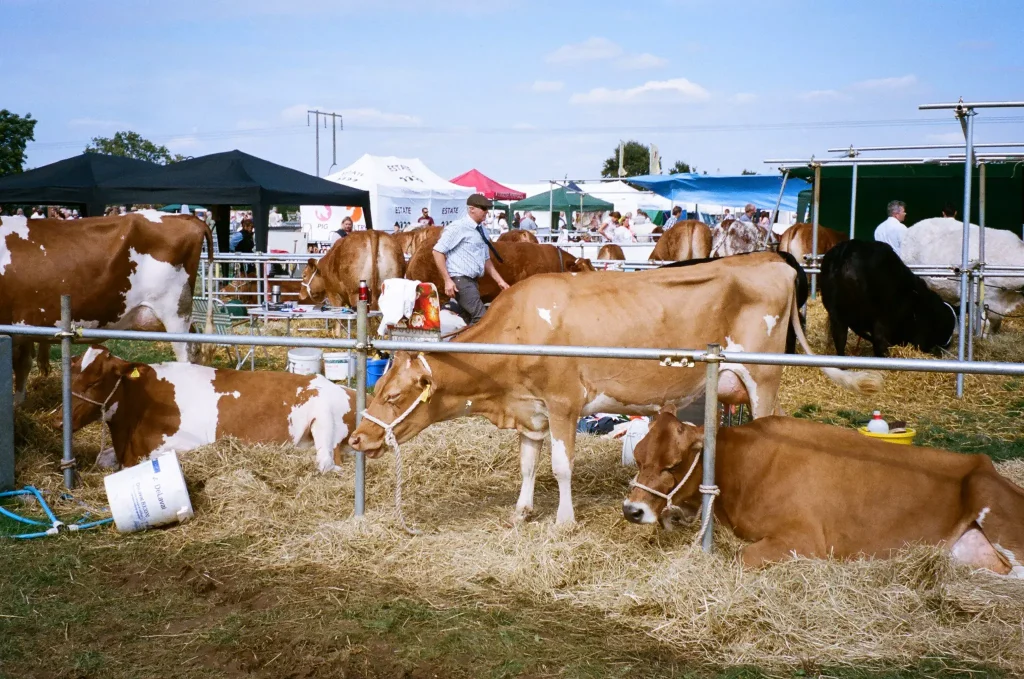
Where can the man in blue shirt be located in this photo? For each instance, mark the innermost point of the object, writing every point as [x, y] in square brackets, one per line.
[462, 256]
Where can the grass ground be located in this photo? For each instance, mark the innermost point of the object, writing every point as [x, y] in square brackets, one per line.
[273, 579]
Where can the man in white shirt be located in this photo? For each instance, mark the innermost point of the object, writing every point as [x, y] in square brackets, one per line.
[892, 230]
[37, 214]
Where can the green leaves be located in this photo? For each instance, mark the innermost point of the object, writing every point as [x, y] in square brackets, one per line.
[132, 145]
[15, 133]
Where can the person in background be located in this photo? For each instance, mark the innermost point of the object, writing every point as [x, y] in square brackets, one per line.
[343, 232]
[671, 221]
[641, 218]
[37, 214]
[246, 241]
[462, 255]
[516, 221]
[949, 211]
[765, 221]
[528, 222]
[892, 230]
[622, 234]
[608, 228]
[502, 223]
[19, 213]
[748, 213]
[726, 216]
[425, 218]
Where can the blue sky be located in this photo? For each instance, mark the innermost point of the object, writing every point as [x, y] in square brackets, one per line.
[522, 90]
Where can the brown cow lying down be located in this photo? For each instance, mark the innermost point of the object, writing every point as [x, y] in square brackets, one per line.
[522, 260]
[799, 239]
[517, 236]
[688, 239]
[154, 409]
[363, 255]
[745, 303]
[793, 487]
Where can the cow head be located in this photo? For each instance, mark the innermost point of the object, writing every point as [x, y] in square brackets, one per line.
[96, 378]
[400, 400]
[313, 288]
[581, 265]
[664, 457]
[934, 320]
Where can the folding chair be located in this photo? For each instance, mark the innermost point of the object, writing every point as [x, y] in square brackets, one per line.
[223, 324]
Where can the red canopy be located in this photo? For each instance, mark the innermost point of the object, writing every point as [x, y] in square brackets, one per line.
[487, 186]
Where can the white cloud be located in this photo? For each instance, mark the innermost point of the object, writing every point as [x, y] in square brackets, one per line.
[591, 49]
[636, 62]
[547, 85]
[823, 95]
[93, 122]
[743, 98]
[886, 83]
[675, 89]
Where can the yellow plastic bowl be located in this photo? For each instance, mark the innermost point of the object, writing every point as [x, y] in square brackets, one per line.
[904, 439]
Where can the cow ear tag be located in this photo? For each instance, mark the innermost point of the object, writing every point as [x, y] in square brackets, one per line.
[134, 375]
[425, 396]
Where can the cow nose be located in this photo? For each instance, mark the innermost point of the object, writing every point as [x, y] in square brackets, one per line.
[633, 513]
[355, 440]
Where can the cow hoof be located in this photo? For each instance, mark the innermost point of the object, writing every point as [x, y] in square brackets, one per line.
[522, 514]
[107, 459]
[19, 398]
[565, 518]
[331, 468]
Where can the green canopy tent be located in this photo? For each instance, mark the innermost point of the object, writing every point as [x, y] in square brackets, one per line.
[562, 200]
[925, 188]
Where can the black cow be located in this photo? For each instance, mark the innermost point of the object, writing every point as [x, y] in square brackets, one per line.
[801, 288]
[866, 287]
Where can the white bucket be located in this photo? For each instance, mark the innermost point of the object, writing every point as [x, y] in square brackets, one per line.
[336, 365]
[304, 361]
[149, 494]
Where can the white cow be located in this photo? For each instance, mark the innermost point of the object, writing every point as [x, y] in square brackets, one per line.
[939, 241]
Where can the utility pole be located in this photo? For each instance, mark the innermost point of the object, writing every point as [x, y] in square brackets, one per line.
[336, 124]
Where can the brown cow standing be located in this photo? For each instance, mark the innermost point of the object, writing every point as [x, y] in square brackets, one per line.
[517, 236]
[798, 240]
[409, 241]
[612, 251]
[136, 271]
[688, 239]
[372, 256]
[793, 487]
[521, 260]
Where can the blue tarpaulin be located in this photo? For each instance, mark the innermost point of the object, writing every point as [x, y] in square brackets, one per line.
[761, 190]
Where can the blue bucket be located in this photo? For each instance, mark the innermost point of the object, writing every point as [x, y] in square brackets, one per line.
[374, 369]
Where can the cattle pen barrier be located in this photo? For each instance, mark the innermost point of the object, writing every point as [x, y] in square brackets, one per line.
[671, 358]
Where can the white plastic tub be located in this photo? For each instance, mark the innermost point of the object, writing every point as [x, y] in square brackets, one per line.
[336, 365]
[149, 494]
[305, 361]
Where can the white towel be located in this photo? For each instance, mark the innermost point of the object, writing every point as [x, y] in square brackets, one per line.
[397, 300]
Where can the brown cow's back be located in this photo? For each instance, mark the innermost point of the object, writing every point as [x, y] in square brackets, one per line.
[797, 240]
[372, 256]
[688, 239]
[517, 236]
[410, 241]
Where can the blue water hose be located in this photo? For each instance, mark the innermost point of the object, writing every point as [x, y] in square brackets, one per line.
[55, 525]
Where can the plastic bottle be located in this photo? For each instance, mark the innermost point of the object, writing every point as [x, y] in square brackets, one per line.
[877, 425]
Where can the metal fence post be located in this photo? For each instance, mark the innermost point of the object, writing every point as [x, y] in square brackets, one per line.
[853, 203]
[710, 437]
[967, 116]
[67, 461]
[814, 229]
[6, 413]
[362, 312]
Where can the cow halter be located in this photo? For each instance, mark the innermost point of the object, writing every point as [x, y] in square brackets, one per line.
[713, 491]
[392, 441]
[103, 408]
[307, 284]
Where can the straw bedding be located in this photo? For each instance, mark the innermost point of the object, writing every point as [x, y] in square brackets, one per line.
[461, 483]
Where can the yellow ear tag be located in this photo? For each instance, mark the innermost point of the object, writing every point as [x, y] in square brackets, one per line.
[425, 396]
[134, 374]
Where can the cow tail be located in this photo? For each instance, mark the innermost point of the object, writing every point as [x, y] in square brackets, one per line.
[864, 382]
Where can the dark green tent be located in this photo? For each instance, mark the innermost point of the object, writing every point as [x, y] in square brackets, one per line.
[924, 188]
[562, 200]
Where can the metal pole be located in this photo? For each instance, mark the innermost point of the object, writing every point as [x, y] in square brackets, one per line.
[814, 228]
[317, 126]
[6, 413]
[968, 116]
[710, 437]
[775, 212]
[979, 308]
[362, 310]
[853, 202]
[65, 363]
[970, 315]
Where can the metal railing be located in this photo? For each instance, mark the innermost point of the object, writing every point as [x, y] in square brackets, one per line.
[668, 357]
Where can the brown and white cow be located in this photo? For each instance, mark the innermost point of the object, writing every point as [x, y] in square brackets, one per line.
[154, 409]
[363, 255]
[798, 240]
[410, 241]
[735, 237]
[136, 272]
[745, 303]
[517, 236]
[611, 251]
[521, 260]
[794, 487]
[687, 239]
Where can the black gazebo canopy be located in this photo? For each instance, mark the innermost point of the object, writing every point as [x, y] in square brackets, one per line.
[231, 178]
[72, 181]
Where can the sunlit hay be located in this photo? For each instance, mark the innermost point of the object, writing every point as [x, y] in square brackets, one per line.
[914, 397]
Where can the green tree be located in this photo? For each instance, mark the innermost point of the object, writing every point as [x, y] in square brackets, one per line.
[132, 145]
[682, 167]
[637, 161]
[15, 133]
[745, 171]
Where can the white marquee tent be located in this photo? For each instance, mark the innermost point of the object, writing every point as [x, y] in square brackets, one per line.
[399, 188]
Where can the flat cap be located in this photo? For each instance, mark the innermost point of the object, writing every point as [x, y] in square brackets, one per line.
[479, 200]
